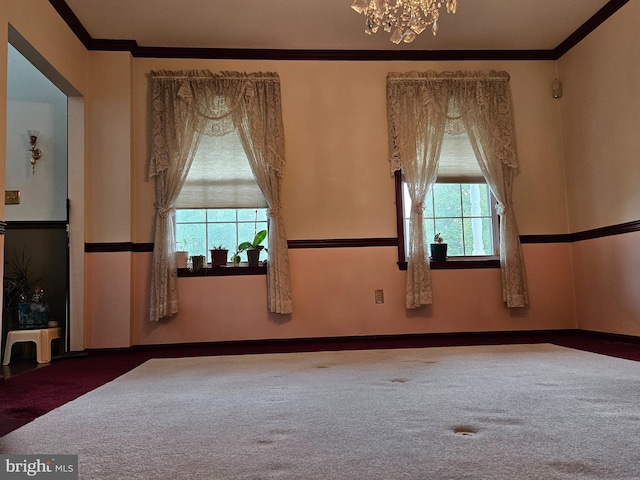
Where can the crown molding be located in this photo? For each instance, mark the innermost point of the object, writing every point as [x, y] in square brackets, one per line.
[335, 55]
[589, 26]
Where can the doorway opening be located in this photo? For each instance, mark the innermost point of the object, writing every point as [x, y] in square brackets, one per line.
[41, 243]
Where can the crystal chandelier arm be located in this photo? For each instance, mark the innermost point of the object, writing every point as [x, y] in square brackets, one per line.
[404, 18]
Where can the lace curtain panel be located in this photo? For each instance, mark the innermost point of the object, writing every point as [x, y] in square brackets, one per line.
[421, 108]
[186, 105]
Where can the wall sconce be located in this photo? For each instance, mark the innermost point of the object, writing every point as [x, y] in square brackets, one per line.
[36, 153]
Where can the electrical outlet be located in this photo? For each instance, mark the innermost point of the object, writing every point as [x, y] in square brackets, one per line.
[379, 295]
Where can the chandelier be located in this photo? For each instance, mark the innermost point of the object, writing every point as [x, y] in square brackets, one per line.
[405, 18]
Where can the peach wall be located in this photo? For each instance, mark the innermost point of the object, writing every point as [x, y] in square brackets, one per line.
[333, 294]
[338, 185]
[108, 199]
[337, 182]
[607, 284]
[601, 77]
[600, 106]
[108, 300]
[109, 163]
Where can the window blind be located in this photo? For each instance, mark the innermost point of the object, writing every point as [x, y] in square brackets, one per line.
[220, 177]
[458, 163]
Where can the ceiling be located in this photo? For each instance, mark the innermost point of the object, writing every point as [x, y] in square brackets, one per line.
[327, 24]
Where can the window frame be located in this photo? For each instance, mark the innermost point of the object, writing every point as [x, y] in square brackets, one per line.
[230, 269]
[487, 261]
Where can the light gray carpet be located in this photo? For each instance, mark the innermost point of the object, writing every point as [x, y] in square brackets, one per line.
[492, 412]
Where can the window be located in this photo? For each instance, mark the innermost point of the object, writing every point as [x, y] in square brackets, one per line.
[188, 109]
[220, 203]
[463, 213]
[421, 108]
[459, 205]
[200, 230]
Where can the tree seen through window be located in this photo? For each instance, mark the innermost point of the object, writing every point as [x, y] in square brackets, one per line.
[462, 214]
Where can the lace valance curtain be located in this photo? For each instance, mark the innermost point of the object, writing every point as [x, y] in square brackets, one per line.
[421, 107]
[187, 105]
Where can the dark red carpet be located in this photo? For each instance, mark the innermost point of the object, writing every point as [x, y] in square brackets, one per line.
[26, 396]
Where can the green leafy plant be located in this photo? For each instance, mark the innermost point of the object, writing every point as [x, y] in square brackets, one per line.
[256, 244]
[235, 258]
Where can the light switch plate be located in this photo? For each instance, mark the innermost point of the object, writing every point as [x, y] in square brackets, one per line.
[12, 197]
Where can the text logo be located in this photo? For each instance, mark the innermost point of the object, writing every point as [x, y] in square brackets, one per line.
[51, 467]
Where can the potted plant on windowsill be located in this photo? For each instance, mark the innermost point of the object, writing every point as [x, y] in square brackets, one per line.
[182, 255]
[254, 248]
[438, 248]
[235, 258]
[219, 256]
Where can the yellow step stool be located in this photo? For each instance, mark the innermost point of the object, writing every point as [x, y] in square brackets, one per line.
[42, 337]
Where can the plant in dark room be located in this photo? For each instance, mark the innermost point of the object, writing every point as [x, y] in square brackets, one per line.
[20, 281]
[23, 298]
